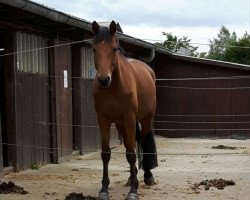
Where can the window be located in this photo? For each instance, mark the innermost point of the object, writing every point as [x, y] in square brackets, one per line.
[32, 56]
[87, 63]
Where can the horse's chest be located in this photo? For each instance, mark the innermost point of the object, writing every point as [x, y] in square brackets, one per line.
[115, 106]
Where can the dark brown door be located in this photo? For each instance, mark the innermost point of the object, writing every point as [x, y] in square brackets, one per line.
[62, 136]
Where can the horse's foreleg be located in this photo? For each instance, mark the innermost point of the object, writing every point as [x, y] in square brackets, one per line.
[131, 158]
[129, 142]
[105, 136]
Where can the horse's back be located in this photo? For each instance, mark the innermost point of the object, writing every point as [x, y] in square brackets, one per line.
[141, 66]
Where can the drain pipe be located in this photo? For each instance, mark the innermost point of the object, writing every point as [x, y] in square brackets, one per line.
[149, 58]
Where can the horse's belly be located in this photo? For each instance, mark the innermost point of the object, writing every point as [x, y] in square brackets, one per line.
[116, 112]
[145, 108]
[146, 98]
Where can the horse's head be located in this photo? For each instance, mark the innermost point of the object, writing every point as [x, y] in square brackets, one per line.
[105, 46]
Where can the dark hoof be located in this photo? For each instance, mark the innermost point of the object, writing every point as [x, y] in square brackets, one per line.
[128, 182]
[133, 196]
[103, 196]
[149, 181]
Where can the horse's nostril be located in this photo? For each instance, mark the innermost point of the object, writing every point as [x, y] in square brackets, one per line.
[104, 80]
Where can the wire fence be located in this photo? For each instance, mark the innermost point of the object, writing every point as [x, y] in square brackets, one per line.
[246, 77]
[124, 153]
[30, 76]
[61, 125]
[51, 149]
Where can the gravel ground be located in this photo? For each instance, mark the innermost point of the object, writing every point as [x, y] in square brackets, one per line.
[182, 163]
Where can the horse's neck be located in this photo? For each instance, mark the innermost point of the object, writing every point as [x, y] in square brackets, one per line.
[122, 68]
[122, 74]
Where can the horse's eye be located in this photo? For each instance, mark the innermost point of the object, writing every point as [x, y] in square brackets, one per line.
[94, 50]
[115, 49]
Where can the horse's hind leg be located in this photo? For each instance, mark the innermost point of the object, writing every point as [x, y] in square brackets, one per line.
[149, 149]
[105, 136]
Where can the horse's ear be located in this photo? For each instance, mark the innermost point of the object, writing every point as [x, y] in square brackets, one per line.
[95, 27]
[112, 28]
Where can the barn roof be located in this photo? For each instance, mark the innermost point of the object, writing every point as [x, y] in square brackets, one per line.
[36, 11]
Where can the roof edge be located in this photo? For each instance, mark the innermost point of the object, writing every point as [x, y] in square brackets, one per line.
[61, 17]
[211, 62]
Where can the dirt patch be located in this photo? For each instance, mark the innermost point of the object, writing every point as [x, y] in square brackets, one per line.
[220, 184]
[179, 169]
[227, 147]
[11, 188]
[39, 177]
[79, 196]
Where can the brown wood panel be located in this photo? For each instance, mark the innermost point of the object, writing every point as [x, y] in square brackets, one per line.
[240, 102]
[21, 115]
[33, 108]
[63, 100]
[46, 117]
[2, 107]
[76, 94]
[34, 117]
[1, 152]
[173, 101]
[37, 118]
[28, 125]
[10, 88]
[90, 131]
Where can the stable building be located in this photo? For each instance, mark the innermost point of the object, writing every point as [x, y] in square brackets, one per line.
[46, 75]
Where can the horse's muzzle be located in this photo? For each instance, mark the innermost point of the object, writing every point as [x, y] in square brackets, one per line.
[104, 81]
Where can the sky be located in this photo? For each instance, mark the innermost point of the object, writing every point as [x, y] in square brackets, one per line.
[199, 20]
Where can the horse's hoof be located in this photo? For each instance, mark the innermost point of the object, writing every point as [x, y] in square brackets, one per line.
[133, 196]
[128, 182]
[149, 181]
[103, 196]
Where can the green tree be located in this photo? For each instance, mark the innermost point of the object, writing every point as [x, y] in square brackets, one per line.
[227, 47]
[172, 43]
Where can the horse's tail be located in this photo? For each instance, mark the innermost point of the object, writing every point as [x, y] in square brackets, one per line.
[146, 150]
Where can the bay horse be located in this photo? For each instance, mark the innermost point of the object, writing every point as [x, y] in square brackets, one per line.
[125, 94]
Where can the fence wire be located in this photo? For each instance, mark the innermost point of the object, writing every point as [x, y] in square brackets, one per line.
[43, 123]
[156, 129]
[30, 76]
[124, 153]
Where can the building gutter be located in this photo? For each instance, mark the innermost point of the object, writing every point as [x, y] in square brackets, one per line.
[49, 13]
